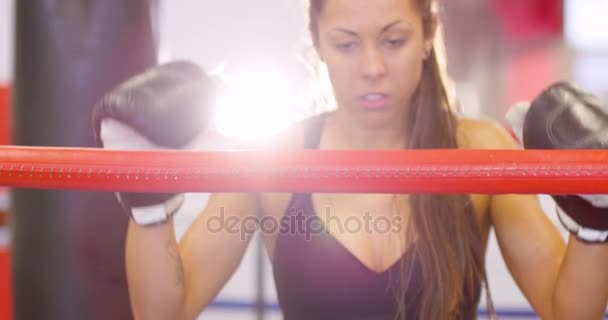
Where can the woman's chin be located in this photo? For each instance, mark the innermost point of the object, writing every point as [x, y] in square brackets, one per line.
[380, 118]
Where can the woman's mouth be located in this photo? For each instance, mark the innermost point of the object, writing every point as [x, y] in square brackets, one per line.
[374, 101]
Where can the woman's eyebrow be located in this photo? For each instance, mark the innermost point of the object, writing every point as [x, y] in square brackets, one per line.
[392, 24]
[385, 28]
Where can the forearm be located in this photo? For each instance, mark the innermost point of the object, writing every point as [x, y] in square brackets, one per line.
[154, 272]
[582, 287]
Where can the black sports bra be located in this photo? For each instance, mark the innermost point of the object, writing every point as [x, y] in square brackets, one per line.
[317, 278]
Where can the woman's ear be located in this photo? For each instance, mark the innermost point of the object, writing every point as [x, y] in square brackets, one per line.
[430, 34]
[427, 50]
[432, 27]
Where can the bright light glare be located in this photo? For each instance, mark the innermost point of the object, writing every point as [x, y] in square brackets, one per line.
[255, 105]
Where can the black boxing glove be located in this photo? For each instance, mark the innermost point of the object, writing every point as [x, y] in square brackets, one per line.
[565, 117]
[166, 107]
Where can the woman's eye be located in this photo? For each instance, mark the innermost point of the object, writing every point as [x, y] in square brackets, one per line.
[394, 43]
[345, 46]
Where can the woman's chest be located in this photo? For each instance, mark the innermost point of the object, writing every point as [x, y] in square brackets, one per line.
[367, 221]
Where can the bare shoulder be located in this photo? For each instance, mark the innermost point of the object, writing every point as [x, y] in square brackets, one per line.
[291, 138]
[484, 134]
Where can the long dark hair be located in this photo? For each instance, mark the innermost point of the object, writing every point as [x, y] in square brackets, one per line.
[448, 244]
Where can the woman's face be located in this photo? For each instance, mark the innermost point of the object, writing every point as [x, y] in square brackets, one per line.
[374, 50]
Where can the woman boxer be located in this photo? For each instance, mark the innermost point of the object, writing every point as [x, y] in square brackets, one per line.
[384, 69]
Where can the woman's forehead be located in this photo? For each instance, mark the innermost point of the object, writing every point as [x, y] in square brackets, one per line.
[368, 13]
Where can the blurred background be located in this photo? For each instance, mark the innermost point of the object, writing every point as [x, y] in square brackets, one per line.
[499, 52]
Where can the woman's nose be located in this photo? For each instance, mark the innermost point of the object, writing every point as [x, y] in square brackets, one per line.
[373, 66]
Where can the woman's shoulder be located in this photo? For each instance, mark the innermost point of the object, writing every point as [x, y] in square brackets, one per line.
[484, 134]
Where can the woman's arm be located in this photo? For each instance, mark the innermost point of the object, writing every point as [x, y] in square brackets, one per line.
[555, 279]
[171, 281]
[582, 286]
[531, 246]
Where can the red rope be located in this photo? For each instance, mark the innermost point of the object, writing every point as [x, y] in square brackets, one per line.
[403, 171]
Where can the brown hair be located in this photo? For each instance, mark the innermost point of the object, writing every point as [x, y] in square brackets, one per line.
[448, 248]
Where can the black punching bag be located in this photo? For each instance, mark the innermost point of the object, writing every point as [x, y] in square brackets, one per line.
[68, 246]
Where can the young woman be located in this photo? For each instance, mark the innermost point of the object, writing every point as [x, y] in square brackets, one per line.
[383, 66]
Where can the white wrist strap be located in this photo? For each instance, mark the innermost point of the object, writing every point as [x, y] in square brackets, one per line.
[586, 234]
[116, 135]
[596, 200]
[156, 214]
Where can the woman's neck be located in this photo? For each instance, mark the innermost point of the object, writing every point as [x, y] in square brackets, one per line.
[343, 131]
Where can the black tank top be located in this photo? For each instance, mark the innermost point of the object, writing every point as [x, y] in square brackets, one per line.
[316, 277]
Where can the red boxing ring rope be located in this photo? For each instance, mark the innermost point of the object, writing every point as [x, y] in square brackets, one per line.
[403, 171]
